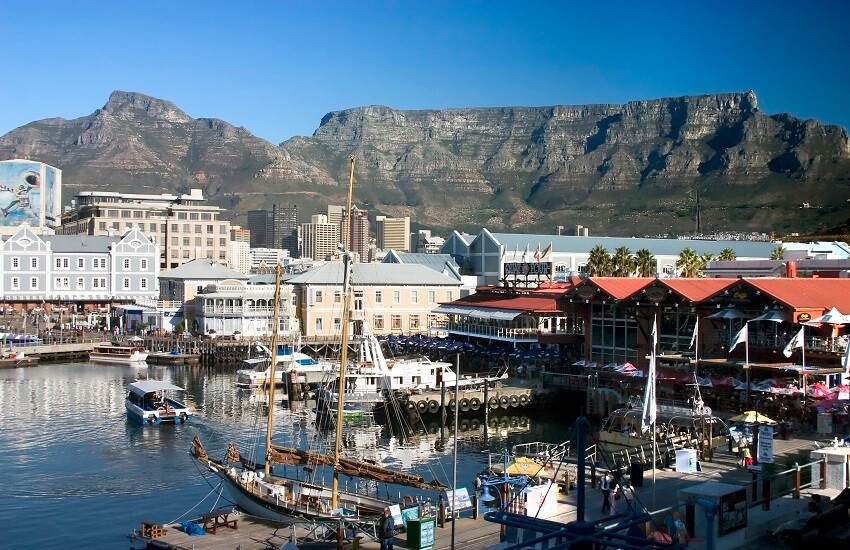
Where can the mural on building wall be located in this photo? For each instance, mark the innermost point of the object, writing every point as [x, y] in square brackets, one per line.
[29, 192]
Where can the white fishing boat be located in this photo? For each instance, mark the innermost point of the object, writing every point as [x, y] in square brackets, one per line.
[290, 363]
[156, 401]
[10, 359]
[128, 354]
[297, 493]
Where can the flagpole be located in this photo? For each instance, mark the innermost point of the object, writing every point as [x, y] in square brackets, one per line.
[803, 351]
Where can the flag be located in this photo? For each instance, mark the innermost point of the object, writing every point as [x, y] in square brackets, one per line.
[546, 251]
[694, 336]
[740, 337]
[537, 253]
[525, 254]
[649, 404]
[845, 361]
[795, 342]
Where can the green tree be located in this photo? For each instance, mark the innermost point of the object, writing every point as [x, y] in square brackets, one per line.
[599, 262]
[689, 263]
[623, 262]
[726, 255]
[645, 263]
[778, 253]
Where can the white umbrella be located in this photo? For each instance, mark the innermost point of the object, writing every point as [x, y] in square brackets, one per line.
[775, 315]
[729, 313]
[831, 317]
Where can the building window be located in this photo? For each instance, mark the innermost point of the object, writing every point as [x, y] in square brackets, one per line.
[414, 322]
[34, 263]
[16, 263]
[197, 228]
[396, 296]
[125, 283]
[210, 229]
[181, 215]
[337, 296]
[186, 254]
[319, 324]
[379, 297]
[222, 255]
[669, 269]
[318, 296]
[582, 268]
[81, 263]
[143, 283]
[396, 320]
[174, 228]
[414, 296]
[337, 324]
[101, 226]
[432, 296]
[379, 322]
[143, 264]
[209, 242]
[449, 296]
[16, 283]
[81, 283]
[186, 241]
[222, 229]
[222, 242]
[173, 253]
[198, 241]
[126, 264]
[33, 283]
[186, 227]
[61, 283]
[99, 263]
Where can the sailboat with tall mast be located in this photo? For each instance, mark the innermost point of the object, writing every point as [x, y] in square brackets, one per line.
[262, 492]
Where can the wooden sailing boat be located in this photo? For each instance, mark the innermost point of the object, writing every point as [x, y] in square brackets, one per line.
[286, 498]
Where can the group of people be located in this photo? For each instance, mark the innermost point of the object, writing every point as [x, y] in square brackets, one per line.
[672, 531]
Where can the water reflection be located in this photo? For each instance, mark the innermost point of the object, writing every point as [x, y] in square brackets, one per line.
[72, 458]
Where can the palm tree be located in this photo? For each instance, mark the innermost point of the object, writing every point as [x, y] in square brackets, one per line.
[598, 261]
[623, 262]
[726, 255]
[645, 263]
[689, 263]
[778, 253]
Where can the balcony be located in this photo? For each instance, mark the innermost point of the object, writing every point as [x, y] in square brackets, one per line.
[504, 333]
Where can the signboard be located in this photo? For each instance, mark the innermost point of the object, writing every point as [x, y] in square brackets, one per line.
[395, 512]
[765, 450]
[458, 500]
[427, 532]
[518, 269]
[410, 513]
[733, 512]
[29, 192]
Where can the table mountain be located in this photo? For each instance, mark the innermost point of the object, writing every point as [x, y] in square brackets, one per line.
[619, 169]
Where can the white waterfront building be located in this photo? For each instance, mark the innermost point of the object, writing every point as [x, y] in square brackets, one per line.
[234, 307]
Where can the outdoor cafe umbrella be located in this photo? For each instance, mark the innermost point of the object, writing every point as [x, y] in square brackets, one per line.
[831, 317]
[751, 417]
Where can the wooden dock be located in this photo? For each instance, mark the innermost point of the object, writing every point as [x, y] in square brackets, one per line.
[170, 358]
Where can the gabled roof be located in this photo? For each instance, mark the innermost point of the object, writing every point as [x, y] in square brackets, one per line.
[441, 263]
[90, 244]
[697, 290]
[374, 275]
[815, 293]
[203, 269]
[620, 288]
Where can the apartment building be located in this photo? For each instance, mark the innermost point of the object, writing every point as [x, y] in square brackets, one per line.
[183, 225]
[320, 238]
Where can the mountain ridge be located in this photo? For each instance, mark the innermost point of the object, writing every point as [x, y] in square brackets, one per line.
[519, 168]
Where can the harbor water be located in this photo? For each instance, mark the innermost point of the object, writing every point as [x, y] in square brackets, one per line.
[79, 473]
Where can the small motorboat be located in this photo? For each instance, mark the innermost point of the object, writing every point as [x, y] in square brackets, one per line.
[156, 401]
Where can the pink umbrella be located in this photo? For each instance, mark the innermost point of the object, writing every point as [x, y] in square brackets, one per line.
[818, 390]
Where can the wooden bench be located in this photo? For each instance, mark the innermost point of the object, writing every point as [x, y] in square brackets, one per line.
[218, 518]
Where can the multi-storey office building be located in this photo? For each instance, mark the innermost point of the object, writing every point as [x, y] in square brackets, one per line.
[320, 238]
[393, 233]
[183, 225]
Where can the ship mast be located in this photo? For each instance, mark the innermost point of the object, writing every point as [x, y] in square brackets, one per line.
[272, 365]
[346, 318]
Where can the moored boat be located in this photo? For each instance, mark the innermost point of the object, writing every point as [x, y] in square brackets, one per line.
[10, 359]
[156, 401]
[299, 367]
[118, 353]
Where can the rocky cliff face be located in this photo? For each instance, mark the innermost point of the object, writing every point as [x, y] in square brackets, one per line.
[504, 167]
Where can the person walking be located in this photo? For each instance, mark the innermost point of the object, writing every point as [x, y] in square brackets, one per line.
[387, 530]
[613, 497]
[605, 485]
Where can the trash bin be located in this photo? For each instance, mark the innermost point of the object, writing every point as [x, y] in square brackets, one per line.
[636, 474]
[420, 533]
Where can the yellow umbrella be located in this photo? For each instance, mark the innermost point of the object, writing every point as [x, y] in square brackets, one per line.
[751, 417]
[528, 467]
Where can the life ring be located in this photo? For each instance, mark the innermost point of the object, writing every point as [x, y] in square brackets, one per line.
[433, 406]
[160, 410]
[504, 402]
[474, 403]
[464, 425]
[464, 404]
[408, 501]
[523, 399]
[152, 419]
[451, 404]
[474, 424]
[514, 401]
[493, 423]
[493, 402]
[422, 406]
[411, 406]
[514, 422]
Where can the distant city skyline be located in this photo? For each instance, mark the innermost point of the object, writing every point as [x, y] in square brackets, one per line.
[277, 68]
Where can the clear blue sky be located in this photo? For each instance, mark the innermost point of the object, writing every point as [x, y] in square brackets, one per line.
[276, 67]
